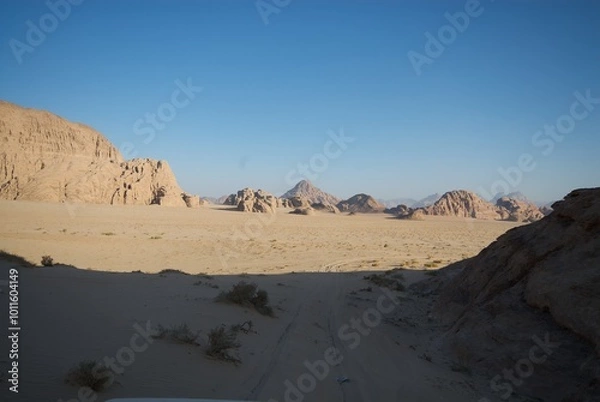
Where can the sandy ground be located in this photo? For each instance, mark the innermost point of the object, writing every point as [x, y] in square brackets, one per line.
[311, 266]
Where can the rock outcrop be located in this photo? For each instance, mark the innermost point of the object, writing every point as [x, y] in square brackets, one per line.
[325, 208]
[464, 204]
[47, 158]
[260, 201]
[515, 210]
[312, 194]
[360, 203]
[296, 202]
[303, 211]
[399, 210]
[536, 284]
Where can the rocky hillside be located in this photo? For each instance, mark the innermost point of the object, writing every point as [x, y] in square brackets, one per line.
[537, 284]
[517, 210]
[464, 204]
[312, 194]
[360, 203]
[47, 158]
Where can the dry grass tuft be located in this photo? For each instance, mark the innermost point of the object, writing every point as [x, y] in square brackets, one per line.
[90, 373]
[247, 295]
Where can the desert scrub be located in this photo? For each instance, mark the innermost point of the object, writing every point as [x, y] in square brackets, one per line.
[90, 373]
[207, 284]
[247, 295]
[155, 237]
[385, 281]
[178, 333]
[108, 233]
[395, 273]
[172, 271]
[220, 344]
[47, 261]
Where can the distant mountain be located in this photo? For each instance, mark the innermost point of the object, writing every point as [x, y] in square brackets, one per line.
[515, 195]
[305, 189]
[362, 203]
[427, 201]
[220, 200]
[409, 202]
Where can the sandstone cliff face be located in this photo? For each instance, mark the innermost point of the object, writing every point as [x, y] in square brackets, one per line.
[538, 280]
[147, 181]
[47, 158]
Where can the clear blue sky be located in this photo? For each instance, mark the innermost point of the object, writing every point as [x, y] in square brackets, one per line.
[272, 92]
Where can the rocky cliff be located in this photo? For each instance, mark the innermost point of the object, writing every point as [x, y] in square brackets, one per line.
[537, 284]
[47, 158]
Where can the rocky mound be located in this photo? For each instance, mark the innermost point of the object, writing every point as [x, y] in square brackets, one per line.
[464, 204]
[308, 191]
[295, 202]
[47, 158]
[515, 210]
[248, 200]
[303, 211]
[360, 203]
[536, 287]
[325, 208]
[413, 214]
[399, 210]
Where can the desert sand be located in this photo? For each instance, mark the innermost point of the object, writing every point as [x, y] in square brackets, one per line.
[219, 240]
[311, 266]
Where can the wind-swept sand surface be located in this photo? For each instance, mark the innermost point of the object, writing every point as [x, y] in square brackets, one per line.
[218, 240]
[311, 266]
